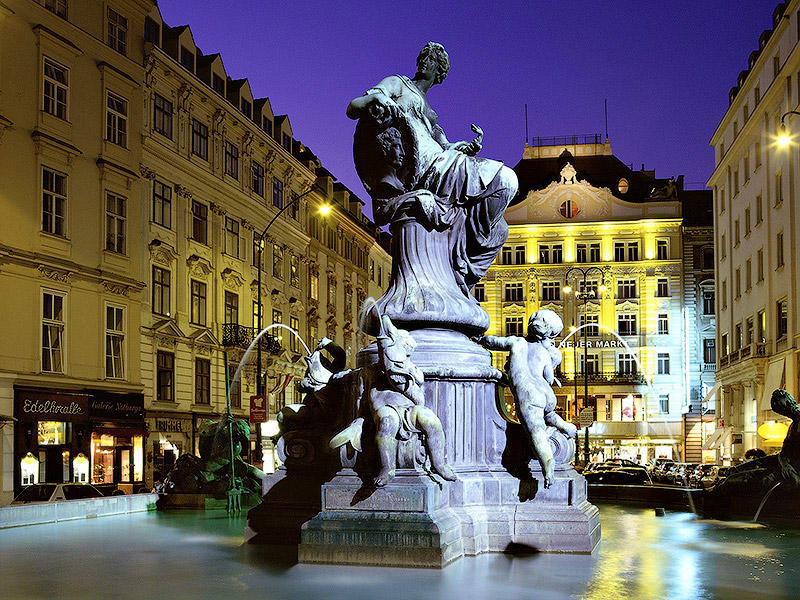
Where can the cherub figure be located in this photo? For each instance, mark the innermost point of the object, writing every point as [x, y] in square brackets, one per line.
[531, 370]
[392, 389]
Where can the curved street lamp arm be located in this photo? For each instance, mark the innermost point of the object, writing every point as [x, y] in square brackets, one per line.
[786, 114]
[294, 200]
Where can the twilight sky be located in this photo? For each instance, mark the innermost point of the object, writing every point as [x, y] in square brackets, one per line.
[665, 67]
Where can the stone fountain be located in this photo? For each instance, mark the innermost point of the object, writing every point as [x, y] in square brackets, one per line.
[410, 458]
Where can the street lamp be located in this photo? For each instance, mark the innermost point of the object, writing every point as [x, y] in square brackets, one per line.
[324, 210]
[584, 294]
[783, 137]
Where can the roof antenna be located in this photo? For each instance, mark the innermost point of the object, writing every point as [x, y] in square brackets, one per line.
[606, 113]
[526, 123]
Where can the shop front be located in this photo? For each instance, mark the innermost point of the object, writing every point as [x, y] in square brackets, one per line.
[86, 436]
[638, 441]
[169, 436]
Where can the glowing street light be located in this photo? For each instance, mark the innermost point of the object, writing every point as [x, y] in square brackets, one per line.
[567, 289]
[784, 139]
[324, 210]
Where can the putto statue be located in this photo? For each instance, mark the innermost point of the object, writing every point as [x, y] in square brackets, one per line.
[531, 371]
[391, 393]
[412, 171]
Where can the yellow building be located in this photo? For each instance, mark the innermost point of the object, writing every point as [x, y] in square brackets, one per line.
[579, 210]
[143, 177]
[757, 231]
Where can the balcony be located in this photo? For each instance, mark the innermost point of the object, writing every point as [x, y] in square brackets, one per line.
[602, 377]
[723, 361]
[760, 349]
[239, 336]
[708, 366]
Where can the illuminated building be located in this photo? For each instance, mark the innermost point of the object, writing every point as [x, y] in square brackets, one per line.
[141, 175]
[580, 206]
[756, 228]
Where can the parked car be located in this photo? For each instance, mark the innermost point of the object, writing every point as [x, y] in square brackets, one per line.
[698, 473]
[715, 475]
[684, 473]
[55, 492]
[620, 476]
[668, 474]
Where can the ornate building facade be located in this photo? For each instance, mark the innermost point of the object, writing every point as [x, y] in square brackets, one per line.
[579, 210]
[144, 177]
[756, 229]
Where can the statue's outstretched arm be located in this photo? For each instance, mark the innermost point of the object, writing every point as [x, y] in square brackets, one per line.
[491, 342]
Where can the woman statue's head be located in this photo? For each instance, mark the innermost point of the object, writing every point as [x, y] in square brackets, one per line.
[436, 53]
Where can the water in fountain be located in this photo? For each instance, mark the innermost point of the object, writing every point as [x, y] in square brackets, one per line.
[253, 345]
[764, 500]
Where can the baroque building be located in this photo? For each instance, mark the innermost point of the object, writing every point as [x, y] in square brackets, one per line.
[144, 176]
[581, 210]
[756, 230]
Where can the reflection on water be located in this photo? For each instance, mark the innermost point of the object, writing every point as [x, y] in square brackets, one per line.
[197, 555]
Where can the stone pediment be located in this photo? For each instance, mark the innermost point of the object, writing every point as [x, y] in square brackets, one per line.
[198, 266]
[232, 278]
[167, 327]
[514, 309]
[592, 307]
[161, 252]
[627, 305]
[557, 308]
[204, 337]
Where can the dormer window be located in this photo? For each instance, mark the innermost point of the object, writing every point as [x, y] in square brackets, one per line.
[218, 83]
[58, 7]
[247, 108]
[286, 142]
[152, 31]
[187, 58]
[266, 125]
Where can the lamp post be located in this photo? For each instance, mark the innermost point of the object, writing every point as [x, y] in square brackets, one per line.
[584, 295]
[324, 210]
[783, 137]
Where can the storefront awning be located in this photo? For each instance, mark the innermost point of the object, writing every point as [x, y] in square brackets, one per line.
[635, 429]
[772, 382]
[717, 438]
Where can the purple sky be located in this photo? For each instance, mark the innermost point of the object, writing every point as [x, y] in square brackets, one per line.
[665, 67]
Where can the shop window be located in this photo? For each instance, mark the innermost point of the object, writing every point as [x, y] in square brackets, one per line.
[29, 469]
[55, 88]
[53, 433]
[52, 332]
[80, 468]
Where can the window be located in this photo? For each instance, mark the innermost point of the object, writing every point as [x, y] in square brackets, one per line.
[231, 308]
[162, 204]
[519, 255]
[506, 255]
[199, 222]
[232, 160]
[294, 270]
[776, 65]
[738, 282]
[778, 189]
[161, 291]
[708, 302]
[626, 324]
[592, 322]
[218, 84]
[58, 7]
[266, 125]
[115, 342]
[152, 31]
[761, 324]
[277, 193]
[760, 264]
[286, 141]
[165, 377]
[662, 250]
[277, 261]
[56, 89]
[162, 116]
[258, 178]
[756, 95]
[724, 294]
[663, 403]
[256, 314]
[199, 139]
[514, 292]
[313, 285]
[626, 288]
[246, 107]
[115, 223]
[294, 323]
[258, 246]
[737, 337]
[724, 344]
[332, 289]
[235, 386]
[202, 381]
[551, 290]
[588, 252]
[662, 287]
[514, 326]
[736, 233]
[758, 155]
[723, 250]
[748, 331]
[550, 254]
[709, 351]
[735, 182]
[117, 31]
[663, 324]
[663, 363]
[626, 364]
[277, 317]
[619, 251]
[231, 237]
[721, 200]
[294, 209]
[746, 221]
[708, 258]
[748, 274]
[198, 308]
[590, 364]
[53, 332]
[479, 291]
[626, 251]
[590, 287]
[632, 250]
[782, 314]
[759, 210]
[54, 201]
[330, 238]
[380, 276]
[187, 58]
[779, 249]
[116, 119]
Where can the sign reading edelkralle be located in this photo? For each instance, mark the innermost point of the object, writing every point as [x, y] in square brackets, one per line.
[51, 406]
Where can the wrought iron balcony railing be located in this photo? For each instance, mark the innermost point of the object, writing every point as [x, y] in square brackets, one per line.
[598, 377]
[240, 336]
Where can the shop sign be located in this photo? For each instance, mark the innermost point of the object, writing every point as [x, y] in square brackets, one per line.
[587, 417]
[571, 343]
[57, 407]
[129, 406]
[164, 425]
[258, 409]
